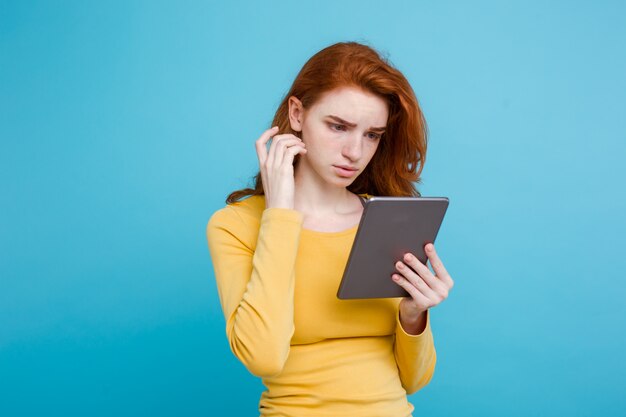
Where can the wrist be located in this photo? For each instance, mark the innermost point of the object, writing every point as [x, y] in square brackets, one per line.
[413, 324]
[286, 204]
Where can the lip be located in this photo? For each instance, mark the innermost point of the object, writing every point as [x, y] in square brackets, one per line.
[346, 167]
[345, 171]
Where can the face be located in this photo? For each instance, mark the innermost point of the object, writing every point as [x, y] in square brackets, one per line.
[341, 131]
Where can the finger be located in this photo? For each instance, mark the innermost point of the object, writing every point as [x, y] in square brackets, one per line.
[261, 150]
[420, 299]
[281, 145]
[271, 155]
[416, 280]
[437, 265]
[291, 153]
[425, 273]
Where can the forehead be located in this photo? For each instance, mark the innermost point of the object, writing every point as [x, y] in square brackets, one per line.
[354, 105]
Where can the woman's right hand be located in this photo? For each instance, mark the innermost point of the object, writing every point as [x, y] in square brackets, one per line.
[276, 166]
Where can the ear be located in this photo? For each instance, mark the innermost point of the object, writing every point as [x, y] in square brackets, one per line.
[296, 114]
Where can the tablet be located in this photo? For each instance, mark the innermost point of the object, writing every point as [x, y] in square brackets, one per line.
[389, 228]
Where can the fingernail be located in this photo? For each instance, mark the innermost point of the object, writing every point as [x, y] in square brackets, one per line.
[407, 257]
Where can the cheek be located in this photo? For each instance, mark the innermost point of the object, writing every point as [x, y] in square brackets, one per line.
[321, 142]
[371, 149]
[312, 136]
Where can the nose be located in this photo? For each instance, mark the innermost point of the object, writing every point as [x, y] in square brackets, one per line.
[352, 148]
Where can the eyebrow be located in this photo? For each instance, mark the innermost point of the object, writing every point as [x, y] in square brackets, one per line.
[345, 122]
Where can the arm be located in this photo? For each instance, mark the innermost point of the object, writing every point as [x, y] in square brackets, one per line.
[256, 287]
[415, 355]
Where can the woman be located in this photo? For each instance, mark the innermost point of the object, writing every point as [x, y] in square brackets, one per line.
[350, 127]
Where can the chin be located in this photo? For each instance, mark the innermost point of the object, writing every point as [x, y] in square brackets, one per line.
[342, 182]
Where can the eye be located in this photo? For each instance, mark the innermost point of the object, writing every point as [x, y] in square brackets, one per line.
[337, 126]
[374, 136]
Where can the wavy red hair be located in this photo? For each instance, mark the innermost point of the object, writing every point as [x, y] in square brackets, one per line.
[398, 162]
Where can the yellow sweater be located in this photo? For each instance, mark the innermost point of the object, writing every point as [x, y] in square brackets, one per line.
[317, 355]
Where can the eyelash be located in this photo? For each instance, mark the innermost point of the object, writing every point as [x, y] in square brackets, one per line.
[376, 135]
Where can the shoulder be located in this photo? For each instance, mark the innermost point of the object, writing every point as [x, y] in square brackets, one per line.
[242, 217]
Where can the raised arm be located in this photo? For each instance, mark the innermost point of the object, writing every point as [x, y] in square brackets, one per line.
[254, 263]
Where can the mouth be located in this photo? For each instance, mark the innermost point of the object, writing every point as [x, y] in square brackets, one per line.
[345, 171]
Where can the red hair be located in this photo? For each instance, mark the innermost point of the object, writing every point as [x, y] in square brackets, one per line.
[401, 153]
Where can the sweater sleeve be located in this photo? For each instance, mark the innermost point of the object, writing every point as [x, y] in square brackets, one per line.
[415, 356]
[256, 286]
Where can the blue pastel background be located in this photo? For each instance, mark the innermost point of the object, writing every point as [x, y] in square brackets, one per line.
[123, 125]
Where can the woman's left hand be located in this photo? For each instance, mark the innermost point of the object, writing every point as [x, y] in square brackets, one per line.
[426, 289]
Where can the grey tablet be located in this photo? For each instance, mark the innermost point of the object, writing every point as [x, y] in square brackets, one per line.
[389, 228]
